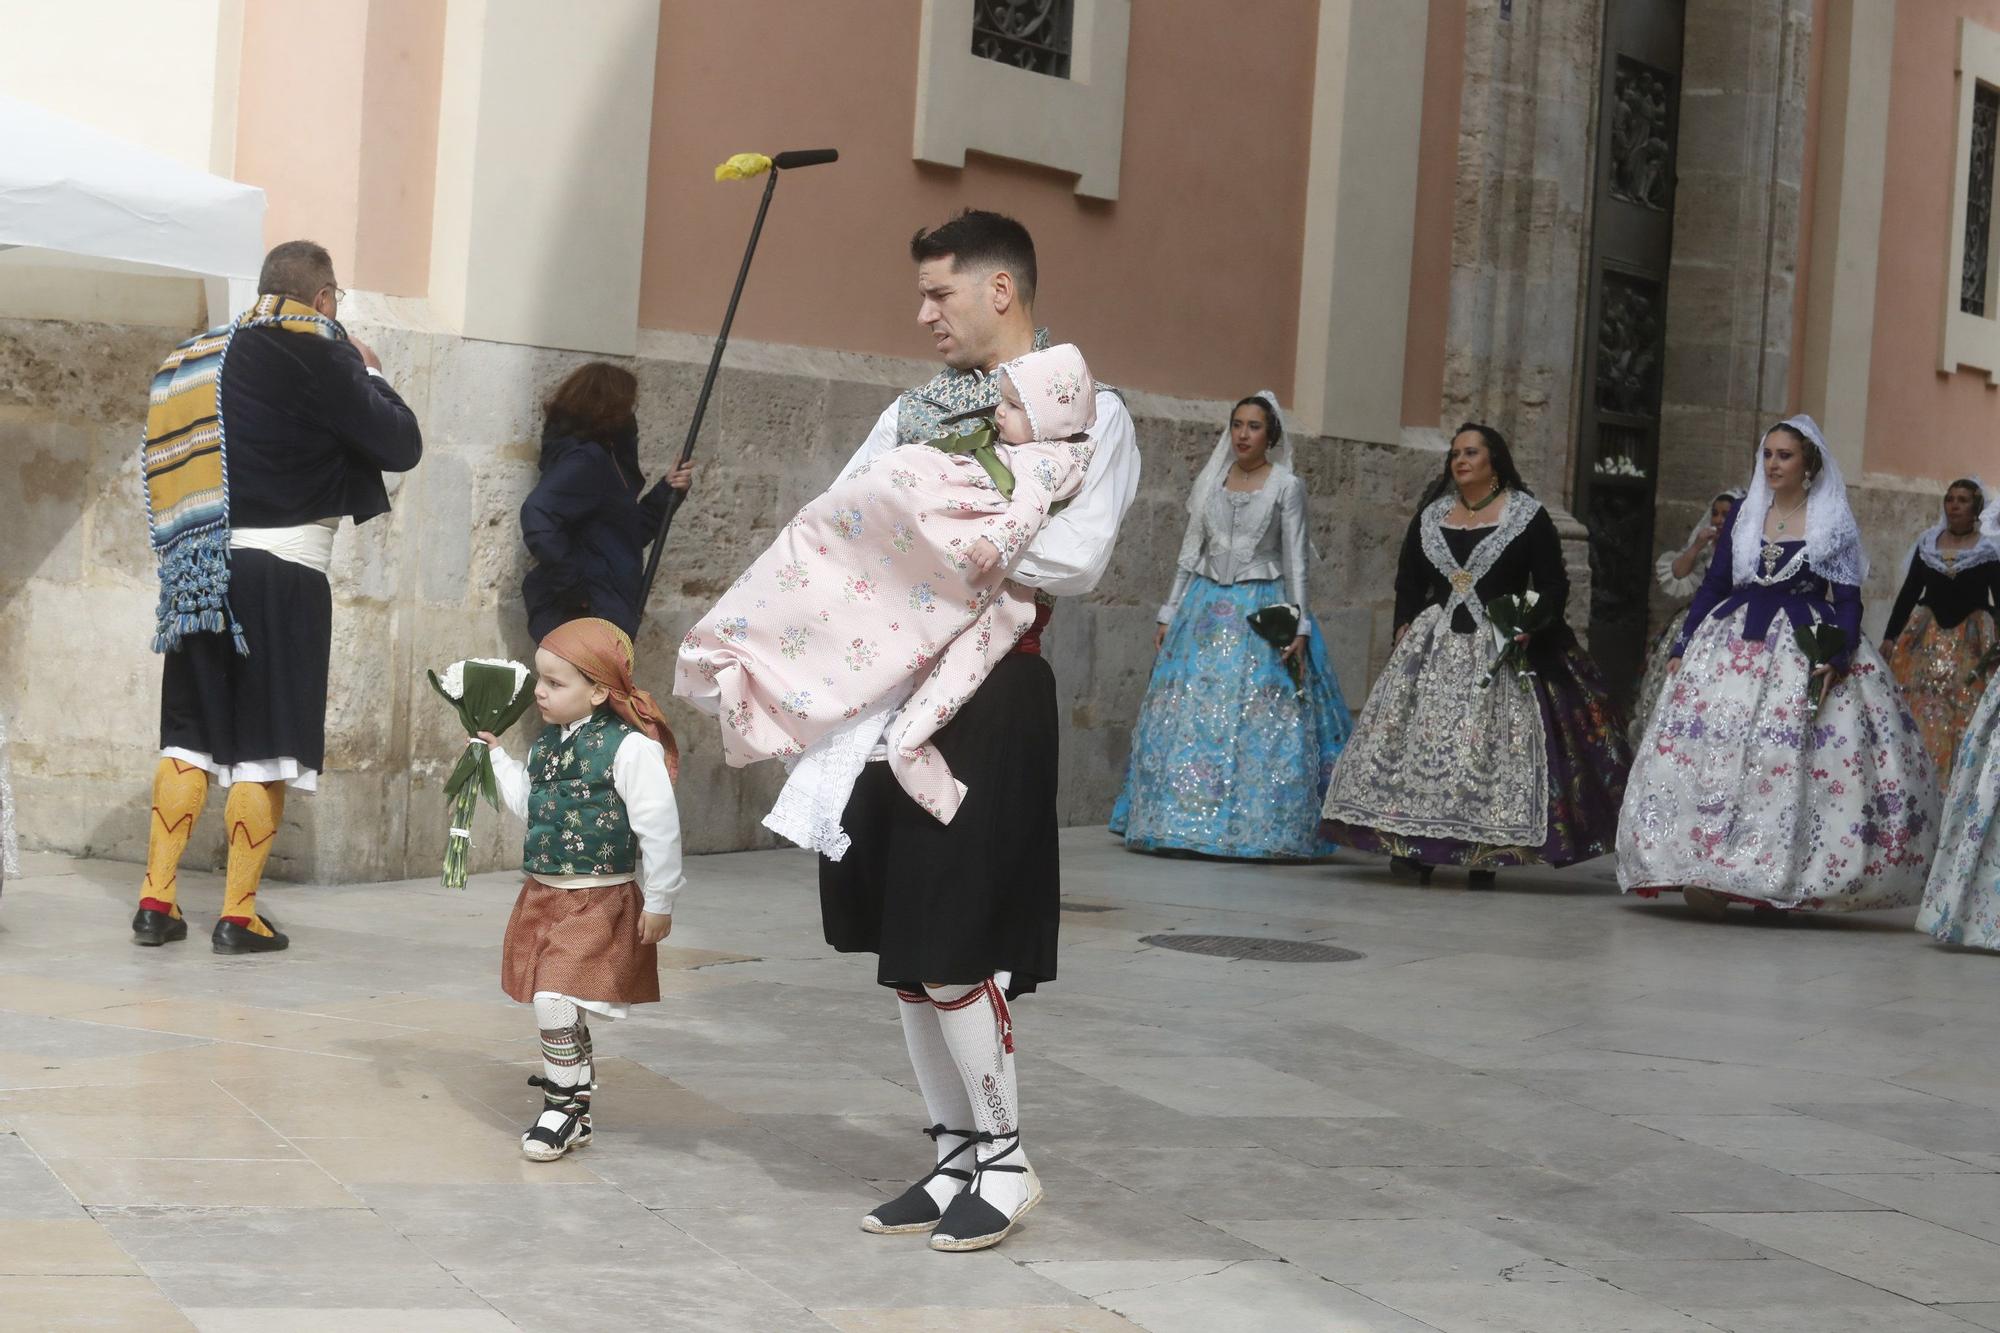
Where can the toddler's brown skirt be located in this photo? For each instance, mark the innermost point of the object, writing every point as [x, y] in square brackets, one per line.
[583, 943]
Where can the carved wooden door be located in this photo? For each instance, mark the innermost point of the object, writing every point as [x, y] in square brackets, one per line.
[1626, 325]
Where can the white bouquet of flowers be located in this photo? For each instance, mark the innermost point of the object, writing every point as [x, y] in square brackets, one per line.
[489, 694]
[1513, 616]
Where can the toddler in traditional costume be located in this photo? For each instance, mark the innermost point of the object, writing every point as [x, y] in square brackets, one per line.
[884, 603]
[603, 863]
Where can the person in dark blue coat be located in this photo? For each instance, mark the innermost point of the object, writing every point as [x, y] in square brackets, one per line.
[586, 523]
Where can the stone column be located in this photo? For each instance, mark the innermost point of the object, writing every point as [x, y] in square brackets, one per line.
[1521, 242]
[1361, 198]
[1518, 253]
[1846, 210]
[1742, 153]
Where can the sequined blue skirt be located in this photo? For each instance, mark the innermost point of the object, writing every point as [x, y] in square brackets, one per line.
[1229, 757]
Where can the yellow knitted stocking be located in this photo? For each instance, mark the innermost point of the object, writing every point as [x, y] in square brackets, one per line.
[252, 814]
[179, 792]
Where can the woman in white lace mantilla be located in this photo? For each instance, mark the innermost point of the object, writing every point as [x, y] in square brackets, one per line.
[1453, 762]
[1744, 788]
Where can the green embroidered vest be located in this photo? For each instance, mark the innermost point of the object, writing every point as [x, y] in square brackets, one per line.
[576, 821]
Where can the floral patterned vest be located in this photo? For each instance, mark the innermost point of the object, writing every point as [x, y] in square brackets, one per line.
[576, 820]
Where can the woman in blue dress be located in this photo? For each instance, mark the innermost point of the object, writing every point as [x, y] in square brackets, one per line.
[1231, 754]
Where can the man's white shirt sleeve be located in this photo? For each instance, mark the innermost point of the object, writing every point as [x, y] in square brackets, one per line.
[1073, 549]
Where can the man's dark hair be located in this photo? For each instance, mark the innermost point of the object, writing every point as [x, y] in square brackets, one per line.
[984, 240]
[298, 269]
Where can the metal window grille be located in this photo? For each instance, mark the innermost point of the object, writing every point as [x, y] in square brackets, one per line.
[1028, 34]
[1979, 200]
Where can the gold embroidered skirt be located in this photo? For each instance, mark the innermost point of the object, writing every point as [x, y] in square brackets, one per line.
[1931, 665]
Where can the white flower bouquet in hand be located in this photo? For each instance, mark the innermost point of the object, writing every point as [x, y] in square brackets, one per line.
[489, 694]
[1515, 616]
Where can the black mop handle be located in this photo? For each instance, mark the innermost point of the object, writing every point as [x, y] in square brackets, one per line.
[802, 157]
[805, 157]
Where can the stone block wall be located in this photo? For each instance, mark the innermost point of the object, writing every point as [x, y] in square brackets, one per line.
[1740, 159]
[439, 578]
[1521, 229]
[1731, 294]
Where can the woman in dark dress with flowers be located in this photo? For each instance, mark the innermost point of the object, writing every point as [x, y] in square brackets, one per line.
[1447, 766]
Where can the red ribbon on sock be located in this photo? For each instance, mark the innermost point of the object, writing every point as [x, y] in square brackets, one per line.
[1003, 1015]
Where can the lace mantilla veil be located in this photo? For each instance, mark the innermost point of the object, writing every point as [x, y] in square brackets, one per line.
[1735, 497]
[1833, 538]
[1214, 472]
[1984, 552]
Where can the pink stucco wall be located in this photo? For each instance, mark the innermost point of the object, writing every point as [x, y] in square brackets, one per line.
[337, 121]
[304, 149]
[1922, 423]
[1187, 284]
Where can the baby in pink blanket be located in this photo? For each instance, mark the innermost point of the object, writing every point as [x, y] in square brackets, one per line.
[890, 588]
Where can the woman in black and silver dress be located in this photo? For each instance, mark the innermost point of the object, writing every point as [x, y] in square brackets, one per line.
[1452, 763]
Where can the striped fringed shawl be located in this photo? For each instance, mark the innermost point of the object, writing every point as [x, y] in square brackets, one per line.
[187, 473]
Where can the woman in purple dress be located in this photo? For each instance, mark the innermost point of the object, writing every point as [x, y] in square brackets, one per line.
[1451, 762]
[1769, 774]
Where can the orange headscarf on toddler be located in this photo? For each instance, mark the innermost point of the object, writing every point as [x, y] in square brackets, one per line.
[600, 650]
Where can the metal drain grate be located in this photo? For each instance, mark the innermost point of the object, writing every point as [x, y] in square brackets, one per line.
[1253, 948]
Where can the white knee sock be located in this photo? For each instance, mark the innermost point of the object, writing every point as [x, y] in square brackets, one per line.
[943, 1089]
[565, 1059]
[979, 1030]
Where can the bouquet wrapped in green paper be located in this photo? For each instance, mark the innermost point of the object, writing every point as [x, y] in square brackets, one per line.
[489, 694]
[1515, 614]
[1821, 643]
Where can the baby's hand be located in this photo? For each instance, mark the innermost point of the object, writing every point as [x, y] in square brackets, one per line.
[984, 555]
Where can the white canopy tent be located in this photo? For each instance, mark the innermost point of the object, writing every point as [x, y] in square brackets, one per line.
[75, 196]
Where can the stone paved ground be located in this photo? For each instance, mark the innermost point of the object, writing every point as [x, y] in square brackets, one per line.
[1540, 1110]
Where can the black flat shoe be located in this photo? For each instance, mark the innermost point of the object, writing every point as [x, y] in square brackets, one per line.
[1483, 880]
[568, 1108]
[1404, 867]
[971, 1223]
[153, 928]
[914, 1210]
[232, 938]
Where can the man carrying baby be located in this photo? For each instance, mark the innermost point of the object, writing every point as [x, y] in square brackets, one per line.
[962, 916]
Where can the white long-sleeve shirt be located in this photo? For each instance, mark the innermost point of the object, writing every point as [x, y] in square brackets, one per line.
[639, 773]
[1073, 549]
